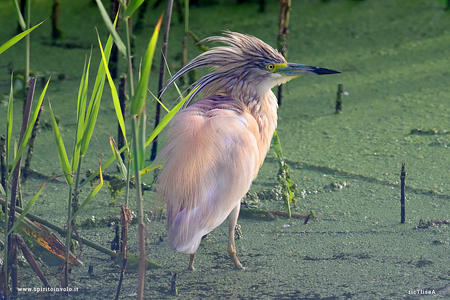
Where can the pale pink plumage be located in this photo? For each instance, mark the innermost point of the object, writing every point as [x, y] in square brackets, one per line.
[211, 159]
[215, 146]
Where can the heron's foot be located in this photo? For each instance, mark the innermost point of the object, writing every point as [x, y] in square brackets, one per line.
[233, 256]
[191, 262]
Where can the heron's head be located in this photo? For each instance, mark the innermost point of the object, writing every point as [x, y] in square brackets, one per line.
[246, 64]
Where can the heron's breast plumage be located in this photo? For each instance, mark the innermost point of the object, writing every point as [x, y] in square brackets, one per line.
[210, 158]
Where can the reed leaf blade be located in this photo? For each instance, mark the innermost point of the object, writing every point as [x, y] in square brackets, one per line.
[120, 164]
[30, 127]
[20, 16]
[91, 195]
[131, 8]
[81, 113]
[138, 101]
[105, 165]
[114, 94]
[62, 155]
[27, 208]
[167, 119]
[94, 103]
[17, 38]
[111, 28]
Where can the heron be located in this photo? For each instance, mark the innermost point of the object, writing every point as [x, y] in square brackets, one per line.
[216, 145]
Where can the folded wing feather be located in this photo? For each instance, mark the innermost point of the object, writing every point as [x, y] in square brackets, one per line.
[210, 159]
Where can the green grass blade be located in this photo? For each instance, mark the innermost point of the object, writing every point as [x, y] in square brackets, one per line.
[20, 16]
[81, 113]
[94, 103]
[138, 101]
[170, 74]
[29, 129]
[2, 190]
[90, 123]
[91, 195]
[111, 28]
[120, 164]
[82, 91]
[159, 101]
[29, 206]
[104, 166]
[17, 38]
[62, 155]
[150, 168]
[114, 93]
[283, 177]
[131, 8]
[166, 119]
[100, 73]
[276, 145]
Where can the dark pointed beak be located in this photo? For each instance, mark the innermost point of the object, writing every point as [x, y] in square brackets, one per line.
[298, 69]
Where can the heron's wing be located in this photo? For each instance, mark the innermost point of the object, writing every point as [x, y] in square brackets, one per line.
[210, 159]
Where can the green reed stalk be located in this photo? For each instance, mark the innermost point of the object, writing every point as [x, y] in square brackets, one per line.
[86, 119]
[137, 111]
[27, 39]
[128, 28]
[139, 202]
[10, 245]
[9, 121]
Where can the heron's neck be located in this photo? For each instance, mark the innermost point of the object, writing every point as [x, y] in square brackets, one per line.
[258, 98]
[263, 107]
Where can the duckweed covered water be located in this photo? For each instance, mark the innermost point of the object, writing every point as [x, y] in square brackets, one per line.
[395, 62]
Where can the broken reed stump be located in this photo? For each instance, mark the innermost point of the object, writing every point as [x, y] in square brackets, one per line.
[30, 259]
[91, 270]
[125, 221]
[173, 286]
[26, 169]
[11, 259]
[339, 96]
[402, 193]
[56, 31]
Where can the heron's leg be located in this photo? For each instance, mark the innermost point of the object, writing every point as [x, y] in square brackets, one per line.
[191, 262]
[232, 220]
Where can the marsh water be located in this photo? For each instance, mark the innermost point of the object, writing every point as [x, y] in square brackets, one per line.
[395, 62]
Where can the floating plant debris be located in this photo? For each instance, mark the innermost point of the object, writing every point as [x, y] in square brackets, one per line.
[432, 223]
[429, 131]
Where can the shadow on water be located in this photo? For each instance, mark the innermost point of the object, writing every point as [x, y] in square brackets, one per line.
[335, 171]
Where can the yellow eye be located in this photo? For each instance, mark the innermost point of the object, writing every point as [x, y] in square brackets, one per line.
[270, 67]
